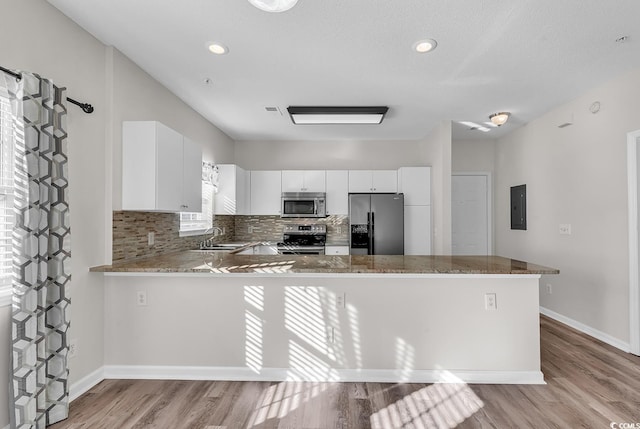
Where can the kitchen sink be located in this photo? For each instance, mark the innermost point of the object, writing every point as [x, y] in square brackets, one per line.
[221, 246]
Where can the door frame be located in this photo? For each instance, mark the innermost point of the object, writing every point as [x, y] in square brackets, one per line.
[633, 150]
[488, 175]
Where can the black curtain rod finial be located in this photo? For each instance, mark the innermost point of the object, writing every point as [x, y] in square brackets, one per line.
[86, 107]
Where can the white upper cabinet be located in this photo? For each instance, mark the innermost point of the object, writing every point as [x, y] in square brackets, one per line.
[373, 181]
[415, 184]
[303, 181]
[160, 170]
[337, 192]
[266, 192]
[232, 197]
[191, 176]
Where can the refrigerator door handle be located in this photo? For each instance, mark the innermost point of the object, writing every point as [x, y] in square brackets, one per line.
[369, 237]
[371, 234]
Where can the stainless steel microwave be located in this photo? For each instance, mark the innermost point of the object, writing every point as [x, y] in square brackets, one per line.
[303, 204]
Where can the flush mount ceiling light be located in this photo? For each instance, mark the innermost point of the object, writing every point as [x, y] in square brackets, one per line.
[328, 115]
[217, 48]
[274, 5]
[424, 46]
[500, 118]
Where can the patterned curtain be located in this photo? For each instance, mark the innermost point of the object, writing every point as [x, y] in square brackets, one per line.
[41, 255]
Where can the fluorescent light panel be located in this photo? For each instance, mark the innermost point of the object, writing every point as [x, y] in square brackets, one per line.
[328, 115]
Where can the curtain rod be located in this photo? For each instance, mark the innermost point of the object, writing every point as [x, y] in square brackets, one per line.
[86, 107]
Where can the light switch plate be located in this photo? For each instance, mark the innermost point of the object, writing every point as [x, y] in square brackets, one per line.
[565, 228]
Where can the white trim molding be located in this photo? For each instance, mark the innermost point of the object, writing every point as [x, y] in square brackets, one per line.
[85, 384]
[633, 140]
[585, 329]
[321, 375]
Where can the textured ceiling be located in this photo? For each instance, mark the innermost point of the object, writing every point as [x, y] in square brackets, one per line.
[522, 56]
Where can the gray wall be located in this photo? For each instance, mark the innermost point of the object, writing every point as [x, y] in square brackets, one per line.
[575, 175]
[473, 155]
[57, 48]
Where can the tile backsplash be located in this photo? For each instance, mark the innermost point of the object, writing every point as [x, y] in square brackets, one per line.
[130, 231]
[269, 228]
[130, 234]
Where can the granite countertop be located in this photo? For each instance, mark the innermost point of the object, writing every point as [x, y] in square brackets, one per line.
[198, 261]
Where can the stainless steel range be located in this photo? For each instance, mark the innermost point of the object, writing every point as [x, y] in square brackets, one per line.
[300, 239]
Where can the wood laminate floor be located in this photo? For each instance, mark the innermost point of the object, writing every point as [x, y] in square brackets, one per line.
[589, 385]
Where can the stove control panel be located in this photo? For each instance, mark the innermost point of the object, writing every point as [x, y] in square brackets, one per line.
[305, 229]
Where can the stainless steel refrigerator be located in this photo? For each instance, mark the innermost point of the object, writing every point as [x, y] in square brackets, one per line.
[376, 224]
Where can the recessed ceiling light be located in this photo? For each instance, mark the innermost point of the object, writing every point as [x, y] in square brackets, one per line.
[425, 45]
[217, 48]
[274, 5]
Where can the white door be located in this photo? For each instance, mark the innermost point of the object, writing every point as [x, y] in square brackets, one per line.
[470, 216]
[633, 172]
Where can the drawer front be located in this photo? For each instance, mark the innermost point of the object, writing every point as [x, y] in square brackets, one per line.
[336, 250]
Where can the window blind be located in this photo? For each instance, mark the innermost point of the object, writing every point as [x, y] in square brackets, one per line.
[6, 192]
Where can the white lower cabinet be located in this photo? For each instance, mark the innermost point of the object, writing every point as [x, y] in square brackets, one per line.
[336, 250]
[417, 230]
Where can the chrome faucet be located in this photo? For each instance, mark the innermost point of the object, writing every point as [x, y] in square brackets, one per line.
[216, 231]
[210, 241]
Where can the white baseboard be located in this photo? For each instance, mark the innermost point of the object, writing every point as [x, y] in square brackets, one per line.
[84, 384]
[602, 336]
[322, 375]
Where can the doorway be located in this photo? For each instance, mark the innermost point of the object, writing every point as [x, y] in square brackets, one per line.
[471, 224]
[633, 167]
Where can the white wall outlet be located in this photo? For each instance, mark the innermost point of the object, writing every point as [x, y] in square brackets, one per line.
[73, 348]
[331, 335]
[549, 288]
[339, 230]
[341, 300]
[141, 298]
[490, 302]
[151, 238]
[565, 228]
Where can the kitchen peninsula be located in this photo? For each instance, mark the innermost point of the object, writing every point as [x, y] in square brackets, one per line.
[216, 315]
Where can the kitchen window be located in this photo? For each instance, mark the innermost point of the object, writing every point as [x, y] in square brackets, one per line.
[6, 198]
[200, 223]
